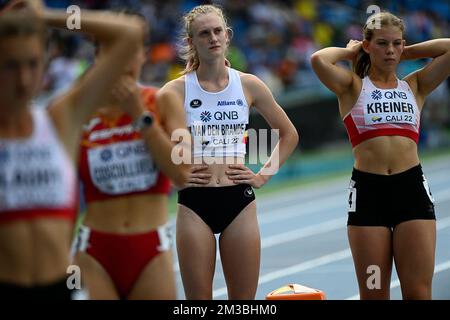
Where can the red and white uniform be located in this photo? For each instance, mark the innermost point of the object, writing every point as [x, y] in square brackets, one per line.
[383, 112]
[114, 160]
[37, 177]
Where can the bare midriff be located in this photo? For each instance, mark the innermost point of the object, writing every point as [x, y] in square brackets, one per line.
[386, 155]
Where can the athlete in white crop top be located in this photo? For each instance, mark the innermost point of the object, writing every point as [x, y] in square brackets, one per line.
[219, 198]
[217, 120]
[38, 148]
[38, 179]
[390, 212]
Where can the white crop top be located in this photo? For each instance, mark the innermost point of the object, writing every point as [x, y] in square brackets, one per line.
[37, 176]
[217, 120]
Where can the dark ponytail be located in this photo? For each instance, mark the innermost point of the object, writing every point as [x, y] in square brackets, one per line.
[361, 65]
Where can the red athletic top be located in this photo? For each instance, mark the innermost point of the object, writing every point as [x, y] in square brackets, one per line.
[37, 177]
[114, 161]
[383, 112]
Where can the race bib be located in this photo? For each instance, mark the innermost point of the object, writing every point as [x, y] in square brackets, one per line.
[210, 137]
[351, 197]
[385, 107]
[31, 176]
[122, 168]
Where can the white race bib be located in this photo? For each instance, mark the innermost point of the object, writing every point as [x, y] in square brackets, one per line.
[31, 176]
[224, 138]
[352, 197]
[389, 106]
[122, 167]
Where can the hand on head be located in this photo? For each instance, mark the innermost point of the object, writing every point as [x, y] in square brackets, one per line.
[36, 6]
[10, 4]
[355, 47]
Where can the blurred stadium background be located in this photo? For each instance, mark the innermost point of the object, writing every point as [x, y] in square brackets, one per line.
[273, 40]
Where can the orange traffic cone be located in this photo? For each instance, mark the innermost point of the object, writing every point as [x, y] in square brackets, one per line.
[296, 292]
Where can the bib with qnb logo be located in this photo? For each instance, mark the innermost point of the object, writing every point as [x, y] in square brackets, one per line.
[217, 120]
[114, 160]
[382, 112]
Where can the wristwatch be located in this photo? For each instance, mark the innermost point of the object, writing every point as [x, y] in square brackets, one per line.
[144, 121]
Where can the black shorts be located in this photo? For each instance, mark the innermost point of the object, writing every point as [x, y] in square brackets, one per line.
[217, 206]
[379, 200]
[54, 291]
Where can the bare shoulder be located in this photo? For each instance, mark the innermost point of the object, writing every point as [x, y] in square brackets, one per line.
[170, 98]
[249, 79]
[348, 98]
[253, 86]
[256, 91]
[173, 87]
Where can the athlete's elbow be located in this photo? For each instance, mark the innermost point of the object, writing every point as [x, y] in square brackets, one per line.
[316, 59]
[291, 137]
[135, 32]
[319, 64]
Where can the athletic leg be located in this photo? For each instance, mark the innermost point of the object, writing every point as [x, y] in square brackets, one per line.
[414, 254]
[372, 249]
[196, 248]
[240, 247]
[157, 280]
[95, 278]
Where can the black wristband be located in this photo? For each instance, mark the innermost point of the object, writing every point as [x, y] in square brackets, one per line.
[145, 120]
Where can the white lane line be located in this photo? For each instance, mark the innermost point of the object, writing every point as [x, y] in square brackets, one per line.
[301, 209]
[396, 283]
[323, 227]
[329, 258]
[310, 264]
[296, 234]
[326, 203]
[327, 226]
[325, 189]
[299, 233]
[301, 194]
